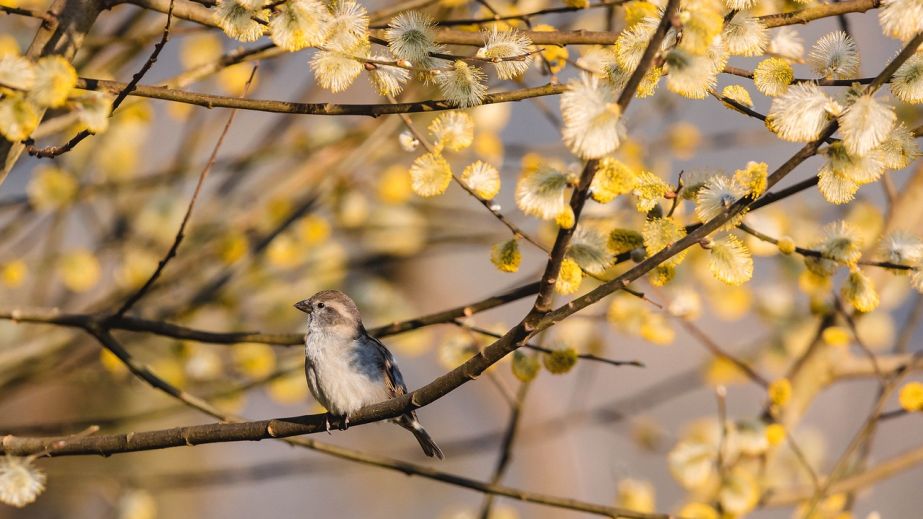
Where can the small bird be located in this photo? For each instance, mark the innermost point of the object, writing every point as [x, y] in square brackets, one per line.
[347, 368]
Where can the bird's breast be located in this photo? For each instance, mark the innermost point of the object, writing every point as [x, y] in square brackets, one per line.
[344, 379]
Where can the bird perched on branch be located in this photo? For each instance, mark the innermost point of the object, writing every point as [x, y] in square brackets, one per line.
[348, 369]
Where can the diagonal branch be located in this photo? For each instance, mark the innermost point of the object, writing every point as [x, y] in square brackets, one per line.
[719, 352]
[578, 198]
[46, 17]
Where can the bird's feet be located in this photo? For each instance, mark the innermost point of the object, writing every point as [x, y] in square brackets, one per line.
[343, 427]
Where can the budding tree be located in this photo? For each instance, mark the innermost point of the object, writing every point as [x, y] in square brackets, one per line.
[580, 212]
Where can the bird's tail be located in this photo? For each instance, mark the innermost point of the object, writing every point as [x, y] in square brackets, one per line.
[429, 447]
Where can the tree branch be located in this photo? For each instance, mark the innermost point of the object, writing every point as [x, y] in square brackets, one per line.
[166, 329]
[198, 13]
[45, 17]
[817, 12]
[818, 254]
[285, 107]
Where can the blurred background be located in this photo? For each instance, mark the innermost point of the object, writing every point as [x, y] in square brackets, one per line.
[300, 203]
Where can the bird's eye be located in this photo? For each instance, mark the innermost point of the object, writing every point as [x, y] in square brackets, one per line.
[320, 305]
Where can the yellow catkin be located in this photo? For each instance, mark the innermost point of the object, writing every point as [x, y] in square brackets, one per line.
[560, 361]
[775, 433]
[911, 397]
[786, 245]
[506, 256]
[525, 367]
[780, 392]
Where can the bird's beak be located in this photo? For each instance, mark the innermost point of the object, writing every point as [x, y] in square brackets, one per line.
[304, 306]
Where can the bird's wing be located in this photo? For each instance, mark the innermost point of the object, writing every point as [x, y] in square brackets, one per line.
[394, 381]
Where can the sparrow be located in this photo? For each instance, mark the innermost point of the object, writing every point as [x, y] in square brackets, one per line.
[348, 369]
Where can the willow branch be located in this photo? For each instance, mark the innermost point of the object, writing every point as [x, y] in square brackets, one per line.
[817, 12]
[556, 255]
[816, 253]
[649, 55]
[735, 71]
[854, 367]
[526, 16]
[200, 14]
[166, 329]
[45, 17]
[285, 107]
[773, 197]
[737, 105]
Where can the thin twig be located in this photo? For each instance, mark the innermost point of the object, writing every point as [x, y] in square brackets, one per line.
[180, 233]
[863, 480]
[721, 394]
[45, 17]
[526, 16]
[735, 71]
[841, 309]
[490, 205]
[536, 347]
[803, 459]
[54, 151]
[816, 253]
[506, 446]
[719, 352]
[910, 326]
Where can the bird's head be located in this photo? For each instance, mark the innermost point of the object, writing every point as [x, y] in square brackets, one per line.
[331, 311]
